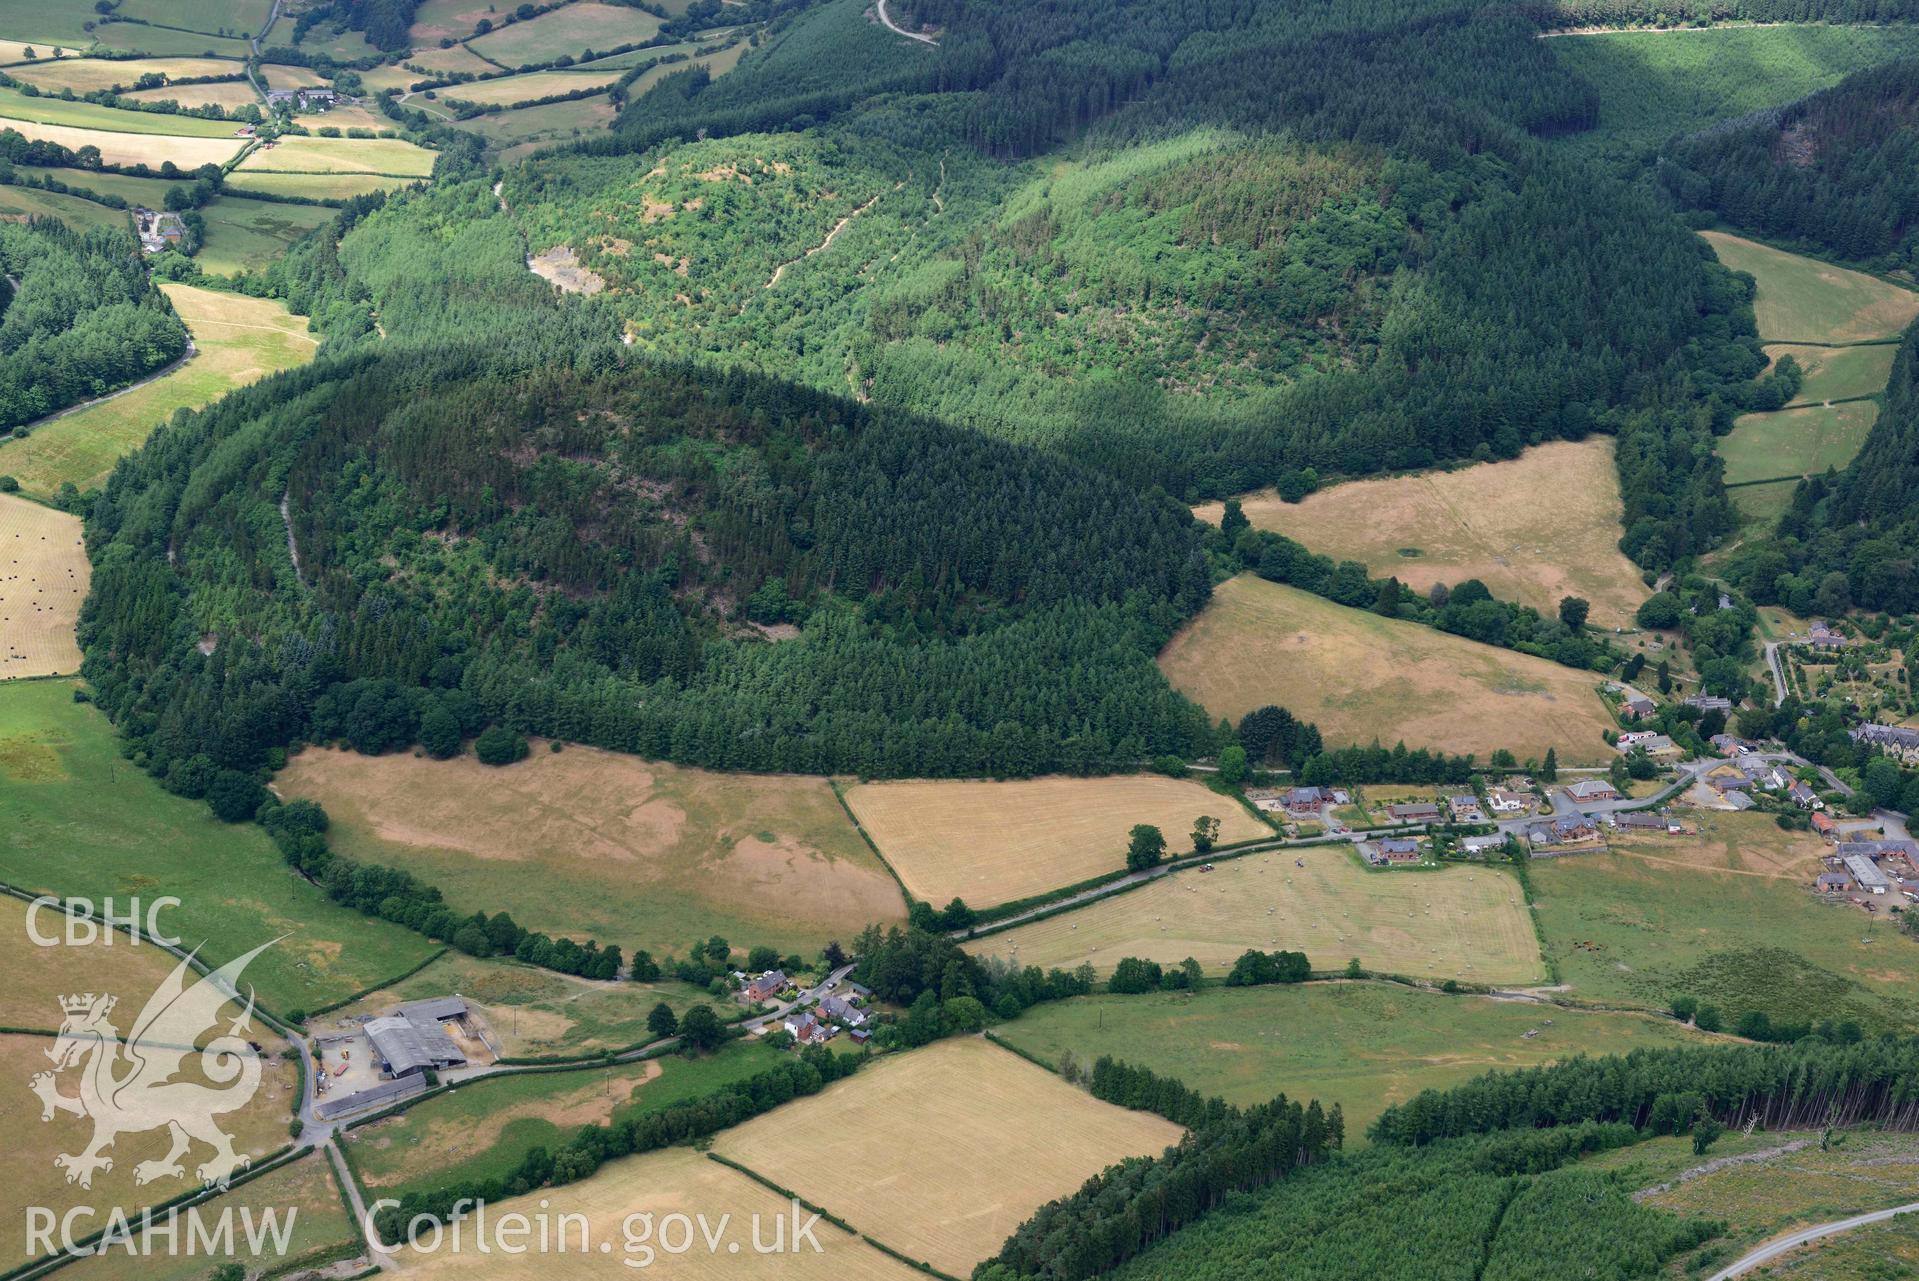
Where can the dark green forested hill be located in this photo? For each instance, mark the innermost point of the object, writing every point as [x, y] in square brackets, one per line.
[82, 320]
[599, 548]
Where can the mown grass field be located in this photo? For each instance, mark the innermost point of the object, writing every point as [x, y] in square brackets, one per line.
[1452, 922]
[1838, 373]
[312, 186]
[659, 1184]
[84, 75]
[44, 575]
[1364, 1046]
[162, 42]
[75, 212]
[1654, 84]
[1485, 522]
[572, 29]
[535, 1012]
[123, 148]
[1796, 442]
[47, 23]
[214, 17]
[281, 75]
[437, 20]
[937, 1152]
[485, 1129]
[439, 61]
[595, 844]
[1763, 504]
[227, 94]
[15, 105]
[150, 192]
[394, 156]
[14, 52]
[508, 90]
[1803, 300]
[80, 821]
[991, 843]
[248, 235]
[1728, 917]
[239, 340]
[1363, 677]
[303, 1190]
[27, 1170]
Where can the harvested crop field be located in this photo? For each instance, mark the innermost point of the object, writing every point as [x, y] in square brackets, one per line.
[1803, 300]
[674, 1181]
[571, 29]
[311, 186]
[393, 156]
[27, 1168]
[1483, 522]
[935, 1152]
[1363, 677]
[1453, 922]
[43, 581]
[280, 75]
[84, 75]
[508, 90]
[225, 94]
[595, 844]
[238, 340]
[117, 148]
[991, 843]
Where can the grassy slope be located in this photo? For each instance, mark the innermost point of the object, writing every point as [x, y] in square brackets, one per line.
[81, 821]
[45, 581]
[1796, 442]
[247, 235]
[1801, 299]
[86, 115]
[1361, 1045]
[1363, 677]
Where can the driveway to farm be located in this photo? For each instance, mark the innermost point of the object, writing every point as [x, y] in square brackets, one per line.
[1778, 673]
[1767, 1253]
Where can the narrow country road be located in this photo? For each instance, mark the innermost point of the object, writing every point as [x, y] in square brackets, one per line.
[1767, 1253]
[153, 377]
[896, 29]
[1778, 673]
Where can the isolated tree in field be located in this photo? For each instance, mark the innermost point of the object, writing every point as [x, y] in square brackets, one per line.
[1573, 611]
[1549, 768]
[700, 1029]
[1705, 1132]
[716, 950]
[498, 745]
[1684, 1007]
[661, 1021]
[1233, 766]
[1145, 848]
[1205, 834]
[1659, 612]
[1193, 972]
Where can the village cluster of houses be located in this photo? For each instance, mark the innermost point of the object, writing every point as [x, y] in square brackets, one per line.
[1463, 807]
[1873, 866]
[842, 1011]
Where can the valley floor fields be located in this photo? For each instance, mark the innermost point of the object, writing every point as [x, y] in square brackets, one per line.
[1492, 522]
[1364, 678]
[237, 340]
[79, 820]
[992, 843]
[38, 974]
[1362, 1045]
[587, 843]
[1451, 922]
[44, 576]
[941, 1153]
[1803, 300]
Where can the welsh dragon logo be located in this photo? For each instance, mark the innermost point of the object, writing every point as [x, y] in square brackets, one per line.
[131, 1086]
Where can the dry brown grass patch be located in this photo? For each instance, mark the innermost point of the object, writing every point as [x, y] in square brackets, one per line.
[44, 575]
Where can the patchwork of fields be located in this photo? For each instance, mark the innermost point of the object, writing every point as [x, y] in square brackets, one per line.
[44, 576]
[992, 843]
[1453, 922]
[1364, 678]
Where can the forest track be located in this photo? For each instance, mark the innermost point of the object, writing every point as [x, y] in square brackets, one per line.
[831, 236]
[1767, 1253]
[887, 22]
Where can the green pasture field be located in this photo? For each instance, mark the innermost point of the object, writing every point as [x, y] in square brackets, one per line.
[532, 125]
[87, 115]
[75, 212]
[1654, 84]
[1838, 373]
[1796, 442]
[213, 17]
[1803, 300]
[1623, 928]
[281, 75]
[79, 820]
[151, 192]
[394, 156]
[507, 90]
[165, 42]
[436, 20]
[634, 57]
[536, 1013]
[1363, 1045]
[312, 186]
[238, 339]
[46, 23]
[247, 235]
[1763, 504]
[582, 25]
[484, 1129]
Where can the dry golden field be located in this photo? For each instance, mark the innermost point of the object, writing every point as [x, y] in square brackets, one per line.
[43, 580]
[37, 977]
[673, 1181]
[991, 843]
[508, 90]
[131, 148]
[1453, 922]
[595, 844]
[393, 156]
[1486, 522]
[942, 1152]
[84, 75]
[227, 94]
[1362, 677]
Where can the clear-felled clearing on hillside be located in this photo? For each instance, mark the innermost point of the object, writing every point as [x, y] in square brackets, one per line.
[301, 1192]
[1486, 522]
[237, 340]
[534, 1012]
[1361, 1045]
[1803, 300]
[991, 843]
[1728, 917]
[81, 821]
[392, 156]
[571, 29]
[1452, 922]
[941, 1153]
[1363, 677]
[593, 844]
[658, 1184]
[27, 1168]
[43, 580]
